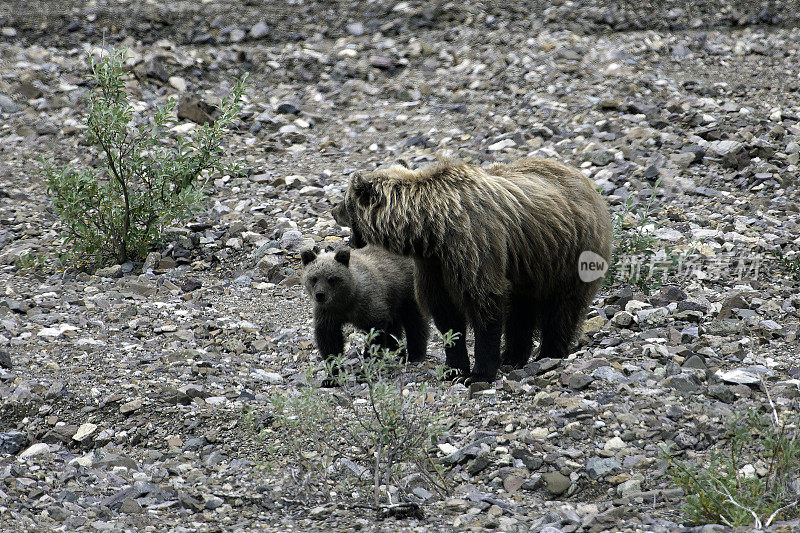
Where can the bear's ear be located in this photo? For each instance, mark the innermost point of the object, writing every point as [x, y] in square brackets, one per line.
[363, 189]
[343, 256]
[308, 255]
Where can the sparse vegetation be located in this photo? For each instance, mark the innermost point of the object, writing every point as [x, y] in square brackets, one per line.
[373, 431]
[31, 261]
[752, 481]
[789, 264]
[117, 212]
[636, 258]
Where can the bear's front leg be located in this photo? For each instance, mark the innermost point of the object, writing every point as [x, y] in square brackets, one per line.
[432, 293]
[330, 343]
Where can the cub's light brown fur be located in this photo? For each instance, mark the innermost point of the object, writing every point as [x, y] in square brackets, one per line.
[501, 241]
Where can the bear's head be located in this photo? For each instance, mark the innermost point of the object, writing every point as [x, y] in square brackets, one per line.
[327, 277]
[361, 195]
[391, 208]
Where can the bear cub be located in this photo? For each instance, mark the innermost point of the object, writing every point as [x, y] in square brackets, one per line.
[369, 288]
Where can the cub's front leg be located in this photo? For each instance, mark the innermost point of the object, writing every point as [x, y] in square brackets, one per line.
[330, 343]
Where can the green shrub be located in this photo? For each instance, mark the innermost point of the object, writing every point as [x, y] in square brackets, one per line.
[30, 261]
[753, 482]
[117, 212]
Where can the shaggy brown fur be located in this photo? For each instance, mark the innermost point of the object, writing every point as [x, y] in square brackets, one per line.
[491, 246]
[370, 289]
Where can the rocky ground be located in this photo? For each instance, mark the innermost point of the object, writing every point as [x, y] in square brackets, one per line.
[125, 393]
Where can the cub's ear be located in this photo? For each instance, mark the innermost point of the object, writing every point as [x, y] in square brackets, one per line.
[308, 255]
[343, 256]
[363, 189]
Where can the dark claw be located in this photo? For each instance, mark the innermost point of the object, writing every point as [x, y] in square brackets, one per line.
[329, 383]
[478, 378]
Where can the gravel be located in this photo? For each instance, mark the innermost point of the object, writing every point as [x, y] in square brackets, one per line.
[124, 391]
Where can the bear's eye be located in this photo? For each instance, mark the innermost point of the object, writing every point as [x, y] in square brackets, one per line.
[333, 281]
[314, 280]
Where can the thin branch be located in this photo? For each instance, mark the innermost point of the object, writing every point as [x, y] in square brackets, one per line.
[772, 405]
[757, 521]
[118, 176]
[777, 511]
[377, 477]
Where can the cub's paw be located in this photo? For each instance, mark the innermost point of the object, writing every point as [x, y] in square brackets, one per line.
[331, 383]
[455, 375]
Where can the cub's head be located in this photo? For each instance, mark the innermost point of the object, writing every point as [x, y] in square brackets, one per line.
[327, 277]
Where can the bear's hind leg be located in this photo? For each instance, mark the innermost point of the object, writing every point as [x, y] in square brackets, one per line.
[560, 321]
[417, 331]
[386, 338]
[519, 326]
[487, 350]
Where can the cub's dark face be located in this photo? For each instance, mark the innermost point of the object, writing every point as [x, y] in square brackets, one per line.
[327, 278]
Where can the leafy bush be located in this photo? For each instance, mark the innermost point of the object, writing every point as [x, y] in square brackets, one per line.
[372, 431]
[752, 483]
[118, 212]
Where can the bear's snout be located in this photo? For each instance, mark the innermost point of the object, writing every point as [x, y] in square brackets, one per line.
[320, 296]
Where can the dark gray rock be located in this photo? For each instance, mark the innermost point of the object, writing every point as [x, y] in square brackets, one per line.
[287, 108]
[530, 461]
[684, 383]
[12, 442]
[695, 361]
[541, 366]
[579, 381]
[478, 464]
[722, 393]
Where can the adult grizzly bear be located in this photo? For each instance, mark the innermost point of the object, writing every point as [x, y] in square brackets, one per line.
[370, 289]
[491, 246]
